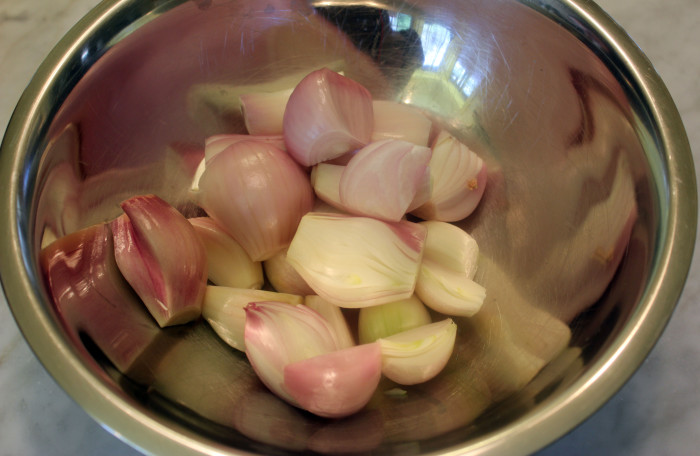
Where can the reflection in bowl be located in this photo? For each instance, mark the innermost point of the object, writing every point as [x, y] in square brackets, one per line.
[587, 188]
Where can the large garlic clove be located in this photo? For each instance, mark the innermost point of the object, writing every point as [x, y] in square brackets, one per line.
[383, 178]
[458, 177]
[277, 334]
[283, 277]
[327, 115]
[336, 384]
[224, 310]
[263, 112]
[258, 194]
[334, 315]
[377, 322]
[159, 254]
[357, 261]
[93, 299]
[419, 354]
[228, 264]
[451, 247]
[394, 120]
[213, 145]
[449, 263]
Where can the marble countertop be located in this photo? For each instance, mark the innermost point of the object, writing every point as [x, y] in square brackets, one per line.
[656, 413]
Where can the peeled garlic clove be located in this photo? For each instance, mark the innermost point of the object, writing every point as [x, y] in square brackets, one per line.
[394, 120]
[458, 179]
[449, 263]
[263, 112]
[419, 354]
[327, 115]
[325, 179]
[383, 178]
[277, 334]
[334, 315]
[451, 247]
[449, 292]
[257, 194]
[160, 255]
[283, 277]
[357, 261]
[228, 264]
[377, 322]
[224, 310]
[218, 143]
[336, 384]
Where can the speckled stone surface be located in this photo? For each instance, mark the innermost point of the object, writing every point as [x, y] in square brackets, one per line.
[656, 413]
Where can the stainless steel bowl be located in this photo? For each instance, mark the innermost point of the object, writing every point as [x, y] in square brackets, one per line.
[586, 227]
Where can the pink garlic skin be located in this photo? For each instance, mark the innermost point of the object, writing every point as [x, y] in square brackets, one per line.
[277, 334]
[258, 194]
[159, 254]
[382, 179]
[327, 115]
[336, 384]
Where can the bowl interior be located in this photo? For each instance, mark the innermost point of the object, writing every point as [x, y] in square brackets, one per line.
[573, 226]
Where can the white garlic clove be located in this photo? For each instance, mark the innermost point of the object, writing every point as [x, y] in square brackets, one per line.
[228, 264]
[263, 112]
[357, 261]
[445, 281]
[384, 320]
[419, 354]
[334, 315]
[458, 177]
[283, 277]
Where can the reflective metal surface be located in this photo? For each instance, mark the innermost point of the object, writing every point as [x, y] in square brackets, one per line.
[586, 226]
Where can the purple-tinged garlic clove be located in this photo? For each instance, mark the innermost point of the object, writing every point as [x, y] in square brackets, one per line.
[92, 298]
[159, 254]
[224, 310]
[277, 334]
[335, 384]
[382, 179]
[257, 194]
[327, 115]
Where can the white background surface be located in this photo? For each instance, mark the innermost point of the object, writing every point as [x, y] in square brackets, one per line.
[656, 413]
